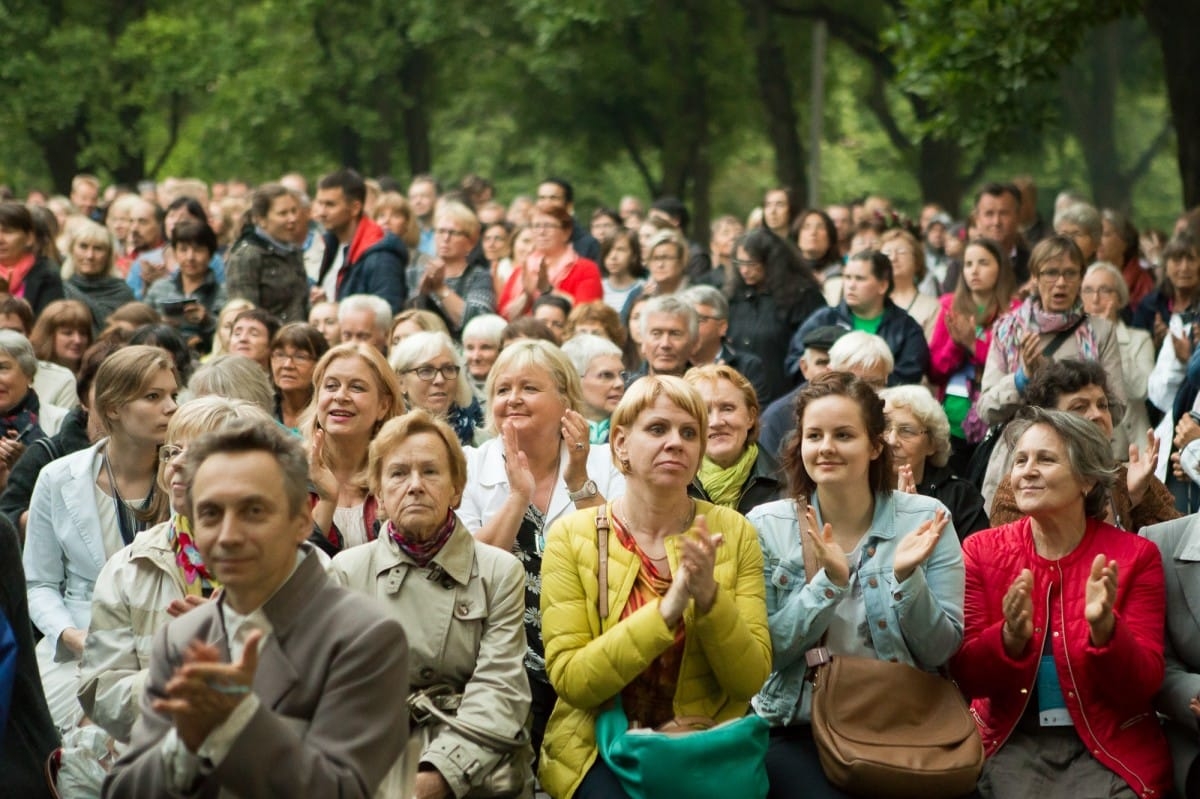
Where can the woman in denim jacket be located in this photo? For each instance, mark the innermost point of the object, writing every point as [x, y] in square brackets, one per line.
[890, 584]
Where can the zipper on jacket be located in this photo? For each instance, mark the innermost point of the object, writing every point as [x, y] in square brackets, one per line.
[1037, 668]
[1145, 791]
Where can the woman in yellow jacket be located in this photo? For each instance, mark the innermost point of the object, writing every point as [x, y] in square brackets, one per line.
[685, 631]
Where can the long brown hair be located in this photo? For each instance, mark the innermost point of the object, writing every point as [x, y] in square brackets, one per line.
[1002, 293]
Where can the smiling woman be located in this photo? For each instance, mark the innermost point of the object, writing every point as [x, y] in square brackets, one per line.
[430, 369]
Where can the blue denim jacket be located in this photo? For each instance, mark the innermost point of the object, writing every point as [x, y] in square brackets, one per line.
[918, 621]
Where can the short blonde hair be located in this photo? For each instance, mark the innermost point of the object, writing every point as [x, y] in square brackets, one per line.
[92, 233]
[929, 413]
[644, 392]
[710, 373]
[205, 414]
[397, 430]
[542, 355]
[461, 214]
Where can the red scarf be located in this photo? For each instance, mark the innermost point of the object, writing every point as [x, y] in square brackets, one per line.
[422, 552]
[16, 274]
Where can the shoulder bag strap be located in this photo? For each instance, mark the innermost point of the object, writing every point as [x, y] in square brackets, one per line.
[423, 707]
[819, 654]
[1061, 336]
[602, 548]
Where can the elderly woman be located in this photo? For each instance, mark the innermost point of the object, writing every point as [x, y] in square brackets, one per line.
[460, 600]
[918, 433]
[266, 266]
[431, 376]
[735, 472]
[1105, 295]
[62, 333]
[1137, 497]
[1119, 245]
[295, 350]
[601, 378]
[908, 271]
[481, 347]
[553, 266]
[224, 331]
[1179, 294]
[1081, 223]
[412, 321]
[23, 417]
[539, 468]
[90, 273]
[90, 504]
[771, 294]
[453, 284]
[889, 573]
[356, 392]
[33, 277]
[684, 590]
[1063, 649]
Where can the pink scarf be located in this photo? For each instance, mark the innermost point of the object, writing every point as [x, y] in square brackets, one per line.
[1028, 317]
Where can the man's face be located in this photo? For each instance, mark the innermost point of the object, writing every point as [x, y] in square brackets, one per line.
[667, 344]
[863, 291]
[996, 217]
[421, 196]
[335, 212]
[814, 363]
[551, 195]
[712, 329]
[842, 221]
[144, 232]
[84, 197]
[359, 326]
[243, 526]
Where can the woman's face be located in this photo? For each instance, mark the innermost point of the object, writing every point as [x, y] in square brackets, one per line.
[1091, 403]
[664, 263]
[1042, 478]
[480, 353]
[724, 237]
[529, 398]
[662, 446]
[69, 344]
[635, 323]
[836, 449]
[1059, 280]
[437, 394]
[393, 220]
[251, 339]
[173, 471]
[14, 384]
[495, 243]
[864, 240]
[751, 270]
[324, 317]
[981, 270]
[603, 386]
[729, 421]
[910, 440]
[404, 329]
[14, 244]
[903, 258]
[1112, 246]
[1083, 239]
[646, 234]
[549, 236]
[522, 245]
[620, 256]
[1100, 294]
[292, 368]
[813, 238]
[144, 418]
[1184, 273]
[416, 486]
[282, 219]
[119, 223]
[193, 260]
[90, 257]
[349, 400]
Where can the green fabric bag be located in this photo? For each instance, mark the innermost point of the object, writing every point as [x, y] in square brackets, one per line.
[723, 761]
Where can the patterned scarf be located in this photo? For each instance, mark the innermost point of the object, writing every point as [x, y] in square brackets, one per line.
[1028, 317]
[196, 577]
[465, 420]
[422, 552]
[598, 431]
[22, 419]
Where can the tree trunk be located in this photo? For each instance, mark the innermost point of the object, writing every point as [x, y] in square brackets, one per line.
[131, 156]
[1090, 96]
[415, 76]
[775, 90]
[1177, 26]
[61, 151]
[939, 163]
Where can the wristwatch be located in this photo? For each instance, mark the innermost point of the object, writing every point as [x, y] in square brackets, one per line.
[586, 491]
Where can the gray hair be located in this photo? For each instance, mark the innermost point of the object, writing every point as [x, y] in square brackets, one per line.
[862, 350]
[1088, 453]
[667, 235]
[1118, 278]
[584, 348]
[367, 302]
[421, 347]
[1085, 216]
[234, 377]
[671, 305]
[928, 411]
[710, 296]
[488, 326]
[17, 347]
[251, 435]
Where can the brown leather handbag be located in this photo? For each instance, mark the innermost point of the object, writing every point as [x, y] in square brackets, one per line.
[889, 730]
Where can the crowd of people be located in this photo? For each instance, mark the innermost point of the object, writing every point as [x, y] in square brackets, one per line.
[399, 491]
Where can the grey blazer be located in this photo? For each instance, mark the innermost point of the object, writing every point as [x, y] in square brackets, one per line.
[333, 682]
[1179, 543]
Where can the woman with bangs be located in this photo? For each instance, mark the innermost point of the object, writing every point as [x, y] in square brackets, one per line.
[295, 350]
[62, 333]
[90, 273]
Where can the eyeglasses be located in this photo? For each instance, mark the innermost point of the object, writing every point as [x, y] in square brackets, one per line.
[295, 357]
[547, 226]
[169, 452]
[427, 372]
[893, 253]
[738, 262]
[449, 232]
[1052, 276]
[662, 259]
[1107, 291]
[608, 377]
[905, 432]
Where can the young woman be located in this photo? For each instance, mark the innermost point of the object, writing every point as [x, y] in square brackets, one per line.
[266, 265]
[62, 333]
[621, 261]
[33, 277]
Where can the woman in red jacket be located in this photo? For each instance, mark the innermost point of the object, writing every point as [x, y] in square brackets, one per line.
[553, 266]
[1063, 647]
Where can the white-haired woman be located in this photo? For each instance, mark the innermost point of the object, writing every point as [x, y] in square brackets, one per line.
[918, 432]
[602, 379]
[481, 347]
[90, 273]
[430, 369]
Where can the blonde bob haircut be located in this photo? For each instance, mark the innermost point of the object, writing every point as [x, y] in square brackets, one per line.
[203, 415]
[643, 393]
[708, 376]
[396, 431]
[537, 354]
[91, 233]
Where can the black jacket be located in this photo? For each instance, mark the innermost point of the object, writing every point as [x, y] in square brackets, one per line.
[43, 285]
[71, 437]
[758, 325]
[961, 497]
[765, 483]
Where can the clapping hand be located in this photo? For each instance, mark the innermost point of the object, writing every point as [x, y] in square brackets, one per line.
[1099, 600]
[1141, 468]
[962, 330]
[905, 483]
[203, 691]
[1031, 354]
[697, 558]
[1018, 614]
[521, 481]
[828, 555]
[918, 545]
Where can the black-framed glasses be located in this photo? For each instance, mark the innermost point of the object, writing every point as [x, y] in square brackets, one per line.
[169, 452]
[427, 372]
[450, 232]
[295, 357]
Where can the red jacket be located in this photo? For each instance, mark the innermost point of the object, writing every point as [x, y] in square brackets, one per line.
[1108, 689]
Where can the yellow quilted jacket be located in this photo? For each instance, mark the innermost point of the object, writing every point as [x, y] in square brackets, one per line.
[727, 651]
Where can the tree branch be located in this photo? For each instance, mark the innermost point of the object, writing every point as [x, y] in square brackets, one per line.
[1142, 165]
[174, 116]
[635, 154]
[876, 101]
[859, 37]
